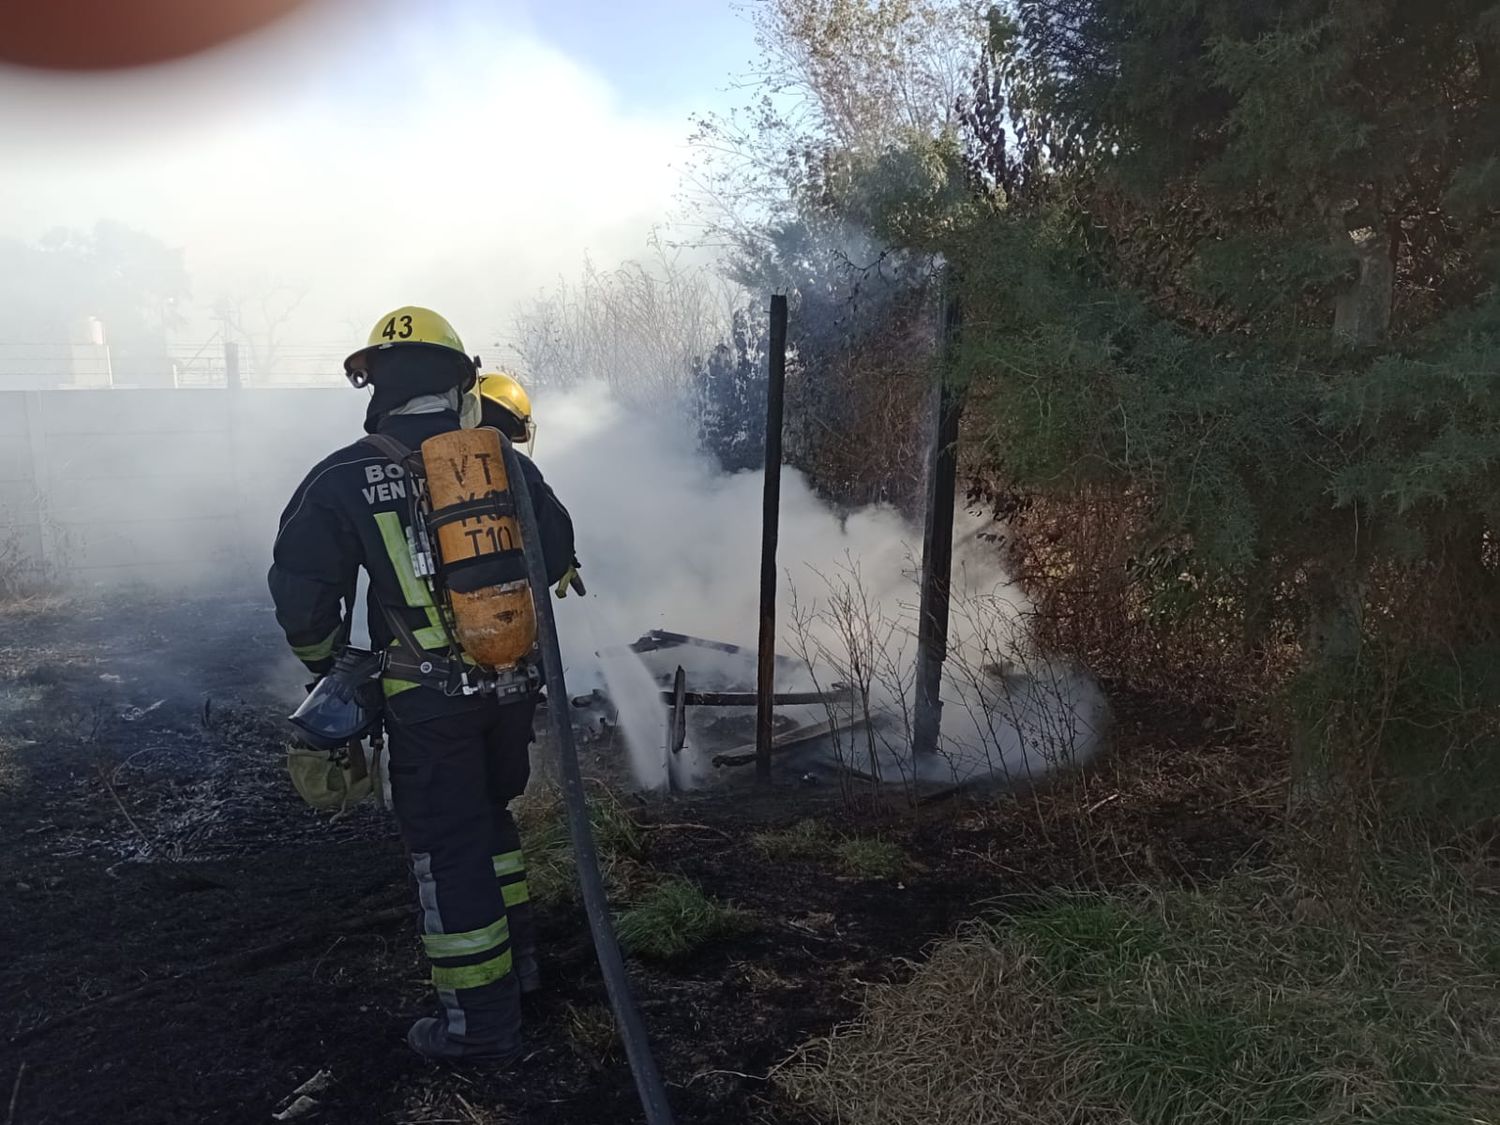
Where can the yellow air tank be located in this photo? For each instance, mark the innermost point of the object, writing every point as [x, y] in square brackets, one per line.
[479, 541]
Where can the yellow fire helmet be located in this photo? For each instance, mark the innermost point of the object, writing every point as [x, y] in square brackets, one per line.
[408, 326]
[506, 392]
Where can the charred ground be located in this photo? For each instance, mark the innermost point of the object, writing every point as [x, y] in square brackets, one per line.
[187, 942]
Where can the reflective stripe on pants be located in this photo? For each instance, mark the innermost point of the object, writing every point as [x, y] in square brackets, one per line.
[510, 873]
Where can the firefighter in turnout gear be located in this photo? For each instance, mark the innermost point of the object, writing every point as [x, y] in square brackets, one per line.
[506, 406]
[458, 742]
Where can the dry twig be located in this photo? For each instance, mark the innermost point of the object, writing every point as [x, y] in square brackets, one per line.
[109, 787]
[15, 1093]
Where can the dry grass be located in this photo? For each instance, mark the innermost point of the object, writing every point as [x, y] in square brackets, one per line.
[971, 1038]
[1258, 1001]
[591, 1031]
[763, 978]
[548, 845]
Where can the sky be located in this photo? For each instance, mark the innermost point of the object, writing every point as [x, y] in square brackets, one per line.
[460, 154]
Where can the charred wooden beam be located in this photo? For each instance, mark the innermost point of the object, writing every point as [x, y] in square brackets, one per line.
[751, 698]
[677, 731]
[801, 736]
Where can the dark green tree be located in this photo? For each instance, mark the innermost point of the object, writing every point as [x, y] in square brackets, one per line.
[1255, 293]
[730, 388]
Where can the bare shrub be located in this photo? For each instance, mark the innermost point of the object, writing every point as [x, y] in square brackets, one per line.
[15, 564]
[1150, 618]
[1011, 713]
[1024, 710]
[848, 639]
[636, 329]
[24, 572]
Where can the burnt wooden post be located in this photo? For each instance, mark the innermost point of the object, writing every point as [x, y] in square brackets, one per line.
[937, 543]
[770, 516]
[677, 721]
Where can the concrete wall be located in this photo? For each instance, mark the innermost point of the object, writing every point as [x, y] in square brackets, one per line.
[20, 513]
[178, 487]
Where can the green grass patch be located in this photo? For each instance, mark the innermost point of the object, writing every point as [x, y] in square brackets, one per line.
[807, 839]
[1255, 1002]
[867, 858]
[673, 919]
[1082, 940]
[863, 857]
[658, 918]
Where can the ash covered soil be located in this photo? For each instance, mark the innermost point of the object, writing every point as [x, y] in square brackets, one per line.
[184, 941]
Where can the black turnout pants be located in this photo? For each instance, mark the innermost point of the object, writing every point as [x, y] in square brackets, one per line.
[455, 765]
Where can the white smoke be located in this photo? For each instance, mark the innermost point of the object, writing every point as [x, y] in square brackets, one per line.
[666, 541]
[669, 542]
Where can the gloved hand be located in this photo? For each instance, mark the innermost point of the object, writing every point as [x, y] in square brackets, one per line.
[570, 580]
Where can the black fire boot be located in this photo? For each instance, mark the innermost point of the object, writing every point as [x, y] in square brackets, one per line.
[428, 1037]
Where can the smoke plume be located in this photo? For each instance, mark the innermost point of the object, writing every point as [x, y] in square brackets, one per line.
[669, 542]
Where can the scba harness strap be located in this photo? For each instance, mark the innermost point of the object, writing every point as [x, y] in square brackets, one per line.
[408, 659]
[412, 662]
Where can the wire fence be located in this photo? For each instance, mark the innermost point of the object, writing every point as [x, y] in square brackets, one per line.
[53, 366]
[48, 366]
[41, 366]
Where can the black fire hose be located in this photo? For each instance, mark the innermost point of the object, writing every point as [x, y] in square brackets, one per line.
[648, 1082]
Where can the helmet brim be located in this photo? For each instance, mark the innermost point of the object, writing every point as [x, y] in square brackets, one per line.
[357, 364]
